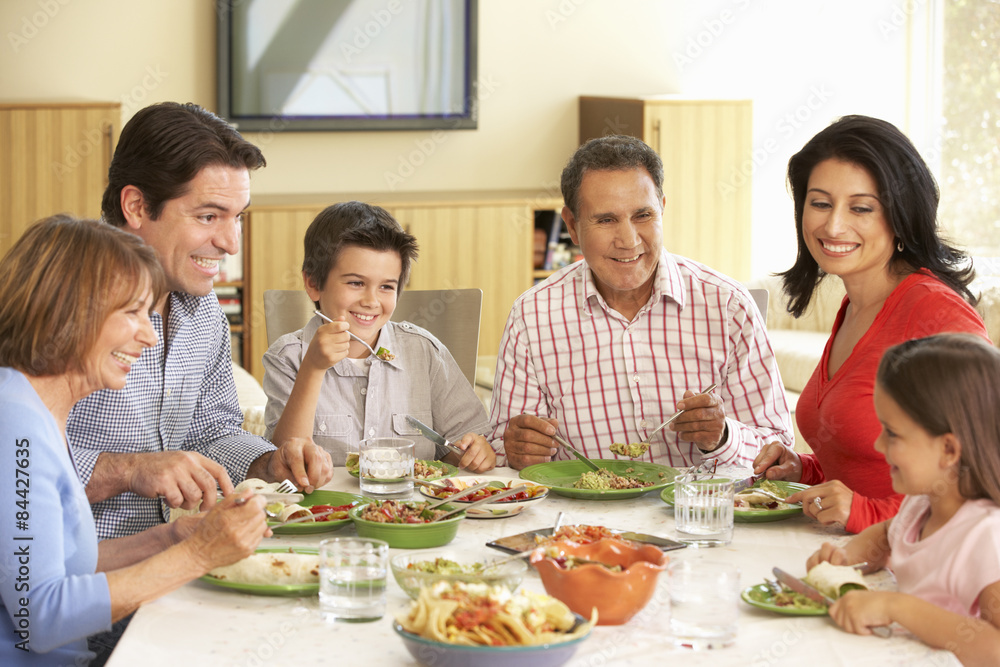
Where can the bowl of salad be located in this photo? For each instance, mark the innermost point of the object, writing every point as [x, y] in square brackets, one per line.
[507, 507]
[406, 524]
[424, 568]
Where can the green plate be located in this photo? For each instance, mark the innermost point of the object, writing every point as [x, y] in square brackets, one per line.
[334, 498]
[753, 516]
[270, 589]
[446, 470]
[560, 476]
[760, 596]
[409, 535]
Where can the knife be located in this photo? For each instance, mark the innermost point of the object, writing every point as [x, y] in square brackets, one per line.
[745, 484]
[431, 435]
[816, 595]
[590, 464]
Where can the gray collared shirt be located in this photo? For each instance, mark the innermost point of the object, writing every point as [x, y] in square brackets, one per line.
[357, 403]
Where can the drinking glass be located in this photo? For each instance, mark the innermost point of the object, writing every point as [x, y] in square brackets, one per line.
[352, 575]
[386, 467]
[704, 603]
[703, 510]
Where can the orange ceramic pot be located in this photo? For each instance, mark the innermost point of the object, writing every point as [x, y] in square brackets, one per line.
[618, 596]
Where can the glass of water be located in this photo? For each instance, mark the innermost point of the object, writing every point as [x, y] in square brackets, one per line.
[352, 575]
[704, 603]
[386, 467]
[703, 510]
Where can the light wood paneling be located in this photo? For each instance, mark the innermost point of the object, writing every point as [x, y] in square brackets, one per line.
[53, 159]
[274, 241]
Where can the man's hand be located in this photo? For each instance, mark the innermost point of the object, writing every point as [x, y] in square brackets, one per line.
[478, 457]
[528, 440]
[703, 421]
[779, 462]
[330, 345]
[182, 479]
[297, 459]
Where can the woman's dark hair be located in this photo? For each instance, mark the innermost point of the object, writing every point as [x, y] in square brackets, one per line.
[354, 223]
[163, 147]
[950, 383]
[906, 191]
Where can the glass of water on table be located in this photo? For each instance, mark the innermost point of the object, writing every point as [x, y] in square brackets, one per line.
[386, 467]
[704, 603]
[703, 510]
[352, 576]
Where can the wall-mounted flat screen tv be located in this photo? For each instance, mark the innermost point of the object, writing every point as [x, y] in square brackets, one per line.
[289, 65]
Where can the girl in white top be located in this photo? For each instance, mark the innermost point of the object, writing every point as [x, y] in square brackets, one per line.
[938, 400]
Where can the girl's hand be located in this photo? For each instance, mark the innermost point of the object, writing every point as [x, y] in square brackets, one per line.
[828, 503]
[330, 344]
[479, 456]
[828, 553]
[859, 611]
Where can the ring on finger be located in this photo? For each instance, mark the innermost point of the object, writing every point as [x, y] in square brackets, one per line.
[818, 502]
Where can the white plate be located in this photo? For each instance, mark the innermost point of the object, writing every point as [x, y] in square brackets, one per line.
[498, 510]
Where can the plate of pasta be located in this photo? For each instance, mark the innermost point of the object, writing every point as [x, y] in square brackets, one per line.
[454, 623]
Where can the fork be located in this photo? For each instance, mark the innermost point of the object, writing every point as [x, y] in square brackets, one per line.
[774, 586]
[286, 487]
[349, 333]
[672, 417]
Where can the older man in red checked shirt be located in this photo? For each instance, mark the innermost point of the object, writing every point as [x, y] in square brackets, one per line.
[606, 349]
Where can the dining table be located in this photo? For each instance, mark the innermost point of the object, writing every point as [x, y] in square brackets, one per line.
[203, 624]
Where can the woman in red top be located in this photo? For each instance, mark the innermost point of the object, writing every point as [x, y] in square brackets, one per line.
[866, 211]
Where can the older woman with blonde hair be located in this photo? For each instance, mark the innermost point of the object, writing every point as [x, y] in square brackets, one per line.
[75, 297]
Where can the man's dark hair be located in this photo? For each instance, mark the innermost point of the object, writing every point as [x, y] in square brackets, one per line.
[163, 147]
[615, 152]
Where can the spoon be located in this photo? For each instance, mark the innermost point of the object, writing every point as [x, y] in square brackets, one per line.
[349, 333]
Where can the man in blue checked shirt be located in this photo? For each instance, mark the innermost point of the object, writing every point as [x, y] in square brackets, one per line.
[180, 179]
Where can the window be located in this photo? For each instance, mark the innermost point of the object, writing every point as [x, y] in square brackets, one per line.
[969, 172]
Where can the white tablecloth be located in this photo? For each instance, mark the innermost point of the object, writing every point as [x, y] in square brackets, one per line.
[201, 624]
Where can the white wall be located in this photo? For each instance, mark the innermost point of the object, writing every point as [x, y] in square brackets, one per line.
[802, 62]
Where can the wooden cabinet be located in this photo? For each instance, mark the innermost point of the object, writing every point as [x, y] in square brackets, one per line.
[706, 149]
[54, 158]
[467, 239]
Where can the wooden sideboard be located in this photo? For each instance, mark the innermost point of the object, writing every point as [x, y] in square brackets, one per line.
[54, 158]
[467, 239]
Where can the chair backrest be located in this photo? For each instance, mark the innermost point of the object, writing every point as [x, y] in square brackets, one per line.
[760, 297]
[452, 315]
